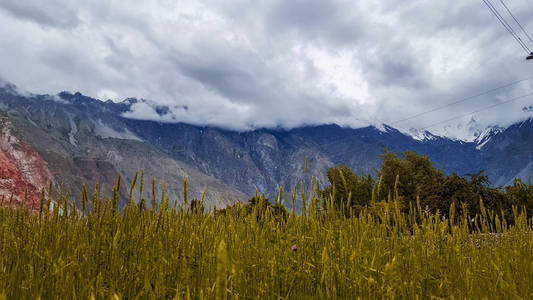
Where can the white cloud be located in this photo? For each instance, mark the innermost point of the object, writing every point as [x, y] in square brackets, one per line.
[106, 94]
[242, 64]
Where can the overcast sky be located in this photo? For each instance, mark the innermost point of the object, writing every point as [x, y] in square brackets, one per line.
[246, 64]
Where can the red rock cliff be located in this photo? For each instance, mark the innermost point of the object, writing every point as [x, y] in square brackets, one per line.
[22, 169]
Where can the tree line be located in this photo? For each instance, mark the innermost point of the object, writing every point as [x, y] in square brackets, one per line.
[409, 179]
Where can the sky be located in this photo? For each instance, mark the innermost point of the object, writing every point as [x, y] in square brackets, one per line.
[247, 64]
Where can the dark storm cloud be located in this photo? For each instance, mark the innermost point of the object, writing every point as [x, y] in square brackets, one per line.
[246, 64]
[49, 13]
[321, 20]
[233, 77]
[396, 65]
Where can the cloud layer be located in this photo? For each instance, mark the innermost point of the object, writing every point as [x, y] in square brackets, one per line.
[246, 64]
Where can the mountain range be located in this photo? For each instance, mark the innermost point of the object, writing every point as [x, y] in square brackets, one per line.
[72, 139]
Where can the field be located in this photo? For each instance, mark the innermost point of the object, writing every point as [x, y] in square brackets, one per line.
[176, 252]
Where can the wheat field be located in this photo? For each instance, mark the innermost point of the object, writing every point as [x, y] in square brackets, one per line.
[94, 251]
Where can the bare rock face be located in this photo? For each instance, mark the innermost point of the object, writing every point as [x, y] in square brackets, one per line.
[23, 172]
[85, 140]
[80, 140]
[268, 140]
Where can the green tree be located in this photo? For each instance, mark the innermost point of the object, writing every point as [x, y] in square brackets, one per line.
[441, 192]
[348, 189]
[414, 173]
[521, 195]
[262, 206]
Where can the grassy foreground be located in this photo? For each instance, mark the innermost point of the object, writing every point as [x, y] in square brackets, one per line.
[175, 253]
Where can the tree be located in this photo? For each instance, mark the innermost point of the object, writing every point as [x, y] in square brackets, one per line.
[259, 205]
[411, 176]
[521, 195]
[262, 205]
[414, 172]
[347, 188]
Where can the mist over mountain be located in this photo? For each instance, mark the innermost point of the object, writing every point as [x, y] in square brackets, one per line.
[81, 139]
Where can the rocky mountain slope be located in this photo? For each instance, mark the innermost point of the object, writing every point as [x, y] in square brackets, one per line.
[84, 141]
[23, 171]
[509, 153]
[81, 139]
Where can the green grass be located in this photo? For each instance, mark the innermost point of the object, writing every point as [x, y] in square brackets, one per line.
[173, 252]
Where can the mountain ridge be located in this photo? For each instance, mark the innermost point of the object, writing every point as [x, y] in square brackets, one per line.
[69, 127]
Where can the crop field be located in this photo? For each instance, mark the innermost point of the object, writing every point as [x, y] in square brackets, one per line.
[94, 251]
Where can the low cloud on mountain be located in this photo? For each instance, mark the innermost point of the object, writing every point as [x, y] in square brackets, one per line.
[241, 64]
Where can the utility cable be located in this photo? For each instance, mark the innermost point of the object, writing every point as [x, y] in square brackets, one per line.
[479, 110]
[506, 25]
[463, 100]
[519, 25]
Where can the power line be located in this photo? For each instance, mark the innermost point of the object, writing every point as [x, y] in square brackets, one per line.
[506, 25]
[479, 110]
[519, 25]
[462, 100]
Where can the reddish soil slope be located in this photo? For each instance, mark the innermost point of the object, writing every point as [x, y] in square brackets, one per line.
[23, 172]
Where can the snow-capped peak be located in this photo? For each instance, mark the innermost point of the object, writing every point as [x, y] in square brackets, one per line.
[386, 128]
[130, 101]
[482, 137]
[421, 135]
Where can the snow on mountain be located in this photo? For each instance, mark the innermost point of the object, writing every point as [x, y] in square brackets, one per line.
[106, 131]
[420, 135]
[385, 128]
[466, 132]
[486, 135]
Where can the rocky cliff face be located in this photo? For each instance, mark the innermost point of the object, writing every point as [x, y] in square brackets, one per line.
[23, 172]
[86, 140]
[265, 159]
[509, 153]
